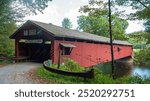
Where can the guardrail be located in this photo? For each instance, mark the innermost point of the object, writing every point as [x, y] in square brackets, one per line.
[85, 74]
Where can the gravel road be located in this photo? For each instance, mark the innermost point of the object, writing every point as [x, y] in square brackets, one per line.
[18, 73]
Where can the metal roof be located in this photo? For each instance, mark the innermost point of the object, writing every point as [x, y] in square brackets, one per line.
[69, 33]
[67, 45]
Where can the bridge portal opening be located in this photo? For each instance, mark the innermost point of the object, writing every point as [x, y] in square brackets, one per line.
[35, 50]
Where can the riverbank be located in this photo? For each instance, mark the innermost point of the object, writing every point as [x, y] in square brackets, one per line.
[101, 74]
[100, 78]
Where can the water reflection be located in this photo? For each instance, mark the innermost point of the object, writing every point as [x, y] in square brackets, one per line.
[122, 70]
[119, 71]
[142, 71]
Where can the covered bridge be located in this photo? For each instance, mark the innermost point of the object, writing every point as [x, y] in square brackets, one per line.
[40, 41]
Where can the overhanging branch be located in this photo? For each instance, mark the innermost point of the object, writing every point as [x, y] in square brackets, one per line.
[142, 4]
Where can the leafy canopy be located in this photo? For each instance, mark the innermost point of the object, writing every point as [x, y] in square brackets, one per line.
[142, 8]
[17, 9]
[96, 20]
[66, 23]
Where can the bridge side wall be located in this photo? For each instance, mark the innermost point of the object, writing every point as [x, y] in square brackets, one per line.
[90, 54]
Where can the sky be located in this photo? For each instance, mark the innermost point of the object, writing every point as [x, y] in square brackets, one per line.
[57, 10]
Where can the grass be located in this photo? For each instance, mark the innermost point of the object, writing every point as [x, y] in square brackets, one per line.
[99, 78]
[2, 62]
[57, 78]
[65, 68]
[70, 65]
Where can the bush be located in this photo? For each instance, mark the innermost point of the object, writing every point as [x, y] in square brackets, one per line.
[69, 65]
[142, 57]
[72, 65]
[139, 80]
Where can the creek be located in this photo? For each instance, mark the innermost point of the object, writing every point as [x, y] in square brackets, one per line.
[142, 71]
[132, 71]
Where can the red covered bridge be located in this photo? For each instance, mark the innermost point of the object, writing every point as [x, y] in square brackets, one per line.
[39, 41]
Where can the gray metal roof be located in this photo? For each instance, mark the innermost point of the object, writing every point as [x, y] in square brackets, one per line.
[69, 33]
[67, 45]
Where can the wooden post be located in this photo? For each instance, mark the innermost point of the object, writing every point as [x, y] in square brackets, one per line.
[59, 59]
[52, 51]
[16, 49]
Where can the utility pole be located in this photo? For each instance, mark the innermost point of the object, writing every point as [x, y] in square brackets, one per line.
[111, 40]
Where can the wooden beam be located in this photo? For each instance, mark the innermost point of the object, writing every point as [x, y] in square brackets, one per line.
[16, 49]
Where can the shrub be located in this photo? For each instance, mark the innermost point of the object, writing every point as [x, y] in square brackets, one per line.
[142, 57]
[72, 65]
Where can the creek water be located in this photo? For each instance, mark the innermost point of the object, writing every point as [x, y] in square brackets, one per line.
[119, 72]
[142, 71]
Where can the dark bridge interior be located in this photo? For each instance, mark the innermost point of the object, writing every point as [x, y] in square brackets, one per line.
[35, 51]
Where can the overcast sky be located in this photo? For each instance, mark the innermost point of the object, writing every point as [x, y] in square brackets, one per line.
[58, 9]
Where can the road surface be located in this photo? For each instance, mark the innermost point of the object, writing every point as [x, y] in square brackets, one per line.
[18, 73]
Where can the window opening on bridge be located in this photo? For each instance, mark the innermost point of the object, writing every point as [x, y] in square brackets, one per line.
[25, 32]
[66, 48]
[118, 49]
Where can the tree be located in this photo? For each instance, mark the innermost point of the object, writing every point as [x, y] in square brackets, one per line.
[142, 12]
[7, 45]
[66, 23]
[142, 8]
[138, 42]
[96, 21]
[17, 9]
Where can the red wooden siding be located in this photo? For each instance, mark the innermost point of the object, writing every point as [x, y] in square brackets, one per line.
[90, 54]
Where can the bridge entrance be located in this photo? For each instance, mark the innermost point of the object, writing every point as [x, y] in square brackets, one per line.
[37, 52]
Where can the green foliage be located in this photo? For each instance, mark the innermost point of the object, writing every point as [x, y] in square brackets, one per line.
[100, 78]
[93, 25]
[142, 8]
[136, 4]
[69, 65]
[7, 45]
[138, 39]
[139, 80]
[17, 9]
[142, 57]
[34, 5]
[72, 65]
[57, 78]
[96, 21]
[147, 29]
[66, 23]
